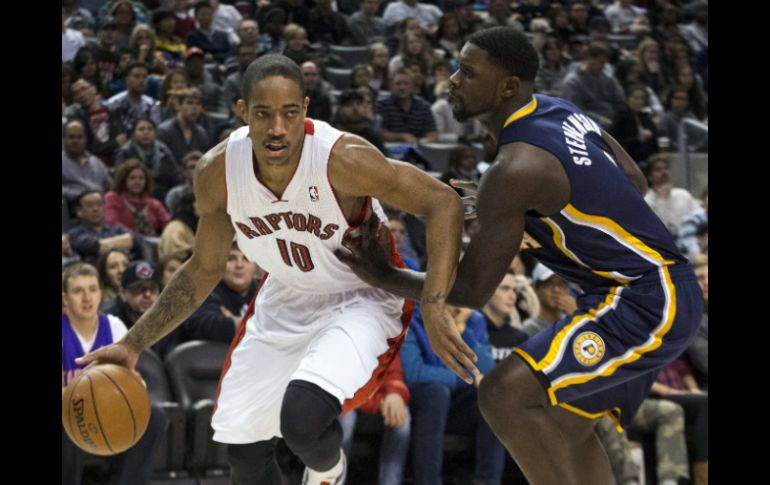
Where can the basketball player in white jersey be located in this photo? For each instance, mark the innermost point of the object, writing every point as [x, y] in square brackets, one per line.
[316, 339]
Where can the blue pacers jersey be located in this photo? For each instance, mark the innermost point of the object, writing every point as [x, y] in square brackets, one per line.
[606, 234]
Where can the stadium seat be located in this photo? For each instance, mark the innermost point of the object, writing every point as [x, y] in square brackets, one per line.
[437, 154]
[351, 55]
[340, 78]
[170, 456]
[194, 369]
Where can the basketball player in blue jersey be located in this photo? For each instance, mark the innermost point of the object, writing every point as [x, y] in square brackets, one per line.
[570, 191]
[316, 339]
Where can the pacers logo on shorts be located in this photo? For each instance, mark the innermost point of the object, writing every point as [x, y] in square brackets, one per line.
[588, 348]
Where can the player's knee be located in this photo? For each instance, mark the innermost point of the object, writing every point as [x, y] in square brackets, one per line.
[509, 386]
[307, 411]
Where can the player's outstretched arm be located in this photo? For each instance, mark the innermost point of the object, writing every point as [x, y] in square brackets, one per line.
[358, 169]
[524, 178]
[194, 280]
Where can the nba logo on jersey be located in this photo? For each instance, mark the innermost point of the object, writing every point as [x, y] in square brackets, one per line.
[313, 191]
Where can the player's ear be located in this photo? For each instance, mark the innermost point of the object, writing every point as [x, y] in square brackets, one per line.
[510, 87]
[306, 104]
[243, 110]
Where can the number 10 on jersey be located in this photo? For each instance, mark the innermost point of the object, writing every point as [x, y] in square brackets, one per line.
[296, 252]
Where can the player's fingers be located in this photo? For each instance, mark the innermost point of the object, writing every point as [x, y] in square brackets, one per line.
[464, 355]
[454, 365]
[91, 357]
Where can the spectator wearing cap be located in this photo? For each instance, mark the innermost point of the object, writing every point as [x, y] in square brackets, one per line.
[199, 77]
[171, 46]
[351, 117]
[105, 51]
[140, 288]
[182, 133]
[555, 300]
[213, 42]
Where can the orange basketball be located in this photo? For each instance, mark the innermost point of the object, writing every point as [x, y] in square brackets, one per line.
[105, 409]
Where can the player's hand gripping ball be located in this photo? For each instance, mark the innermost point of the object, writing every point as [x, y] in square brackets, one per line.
[105, 409]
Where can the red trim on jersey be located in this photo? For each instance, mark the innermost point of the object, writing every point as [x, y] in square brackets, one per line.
[394, 344]
[237, 339]
[309, 127]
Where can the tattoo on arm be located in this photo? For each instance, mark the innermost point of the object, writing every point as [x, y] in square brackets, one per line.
[176, 302]
[437, 298]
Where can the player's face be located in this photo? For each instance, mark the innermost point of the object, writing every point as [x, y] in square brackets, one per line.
[82, 297]
[504, 299]
[275, 114]
[239, 271]
[116, 264]
[473, 87]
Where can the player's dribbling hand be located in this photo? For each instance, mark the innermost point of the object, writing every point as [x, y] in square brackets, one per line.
[368, 253]
[447, 344]
[117, 353]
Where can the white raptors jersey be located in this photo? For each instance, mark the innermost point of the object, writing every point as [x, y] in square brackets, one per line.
[293, 237]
